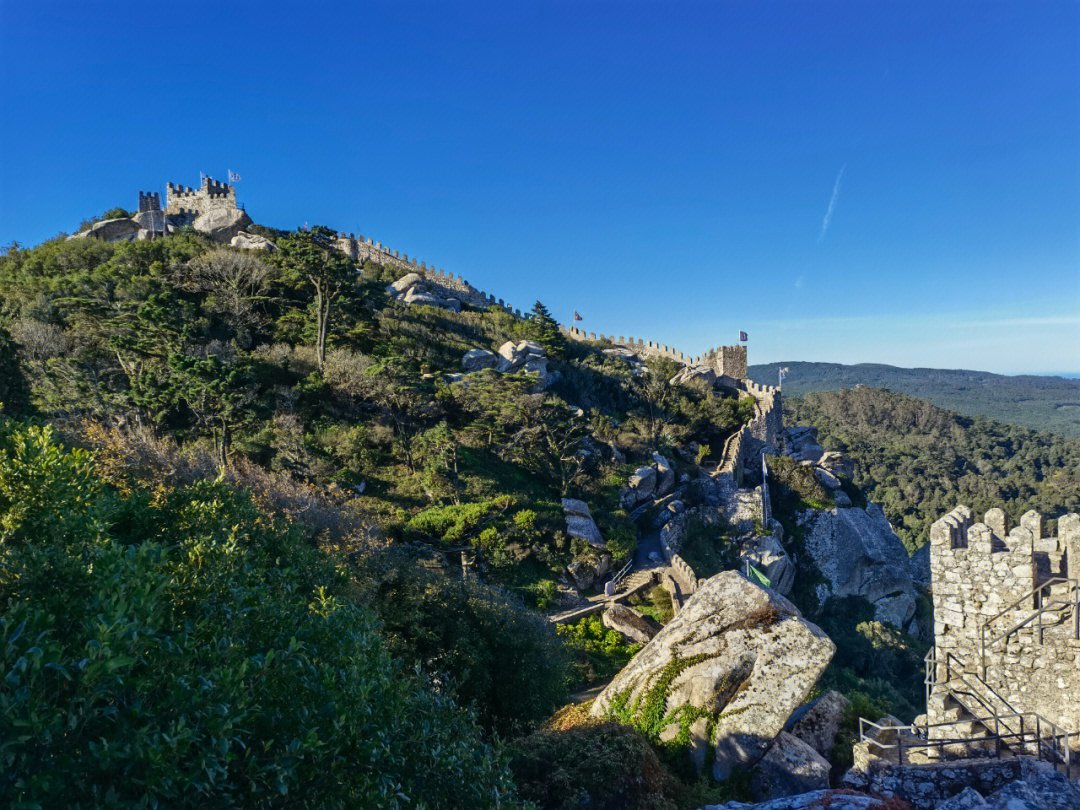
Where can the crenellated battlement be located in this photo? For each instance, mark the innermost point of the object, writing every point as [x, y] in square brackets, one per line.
[989, 578]
[213, 195]
[149, 201]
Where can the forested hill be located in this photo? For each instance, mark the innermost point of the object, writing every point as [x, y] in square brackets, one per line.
[1040, 403]
[919, 461]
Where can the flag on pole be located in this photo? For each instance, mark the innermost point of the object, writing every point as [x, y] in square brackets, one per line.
[758, 577]
[742, 336]
[577, 316]
[233, 177]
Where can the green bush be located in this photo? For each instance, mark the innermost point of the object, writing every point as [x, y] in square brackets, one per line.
[190, 653]
[597, 653]
[452, 524]
[708, 544]
[476, 642]
[596, 766]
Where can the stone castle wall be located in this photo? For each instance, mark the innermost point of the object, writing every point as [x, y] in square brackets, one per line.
[727, 361]
[978, 571]
[443, 284]
[212, 196]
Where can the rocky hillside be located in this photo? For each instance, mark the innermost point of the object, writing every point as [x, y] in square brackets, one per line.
[495, 520]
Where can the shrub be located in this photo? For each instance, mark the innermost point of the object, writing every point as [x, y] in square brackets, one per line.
[597, 652]
[452, 524]
[594, 766]
[474, 641]
[192, 653]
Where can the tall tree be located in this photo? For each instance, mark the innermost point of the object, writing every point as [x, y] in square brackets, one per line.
[545, 331]
[311, 257]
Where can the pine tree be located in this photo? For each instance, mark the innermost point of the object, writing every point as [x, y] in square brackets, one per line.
[546, 331]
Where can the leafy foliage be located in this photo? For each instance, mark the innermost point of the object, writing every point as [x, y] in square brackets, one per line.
[595, 766]
[475, 642]
[191, 651]
[597, 652]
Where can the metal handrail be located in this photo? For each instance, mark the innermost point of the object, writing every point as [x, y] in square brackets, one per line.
[623, 572]
[1043, 608]
[1059, 748]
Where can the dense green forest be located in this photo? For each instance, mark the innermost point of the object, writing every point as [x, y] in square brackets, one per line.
[237, 492]
[919, 461]
[1039, 403]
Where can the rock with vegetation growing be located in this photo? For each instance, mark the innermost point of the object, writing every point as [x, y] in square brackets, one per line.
[737, 656]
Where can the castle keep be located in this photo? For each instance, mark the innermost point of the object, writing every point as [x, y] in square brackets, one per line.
[212, 196]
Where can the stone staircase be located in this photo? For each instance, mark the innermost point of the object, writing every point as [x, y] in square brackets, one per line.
[967, 718]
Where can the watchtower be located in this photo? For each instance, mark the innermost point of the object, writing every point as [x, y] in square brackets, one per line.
[149, 201]
[212, 196]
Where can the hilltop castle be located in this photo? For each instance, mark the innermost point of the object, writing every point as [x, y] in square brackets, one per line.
[189, 203]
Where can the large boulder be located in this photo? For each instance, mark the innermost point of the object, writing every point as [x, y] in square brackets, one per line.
[826, 478]
[643, 483]
[478, 359]
[859, 554]
[768, 555]
[251, 241]
[405, 283]
[738, 656]
[701, 374]
[1048, 790]
[820, 723]
[580, 523]
[222, 224]
[665, 475]
[110, 230]
[837, 463]
[919, 565]
[638, 628]
[789, 768]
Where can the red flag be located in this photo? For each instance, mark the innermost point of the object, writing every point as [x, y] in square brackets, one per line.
[742, 336]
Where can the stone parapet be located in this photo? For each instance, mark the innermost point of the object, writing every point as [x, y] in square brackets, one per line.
[987, 580]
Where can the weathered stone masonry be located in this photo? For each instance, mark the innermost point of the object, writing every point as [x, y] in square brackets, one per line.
[979, 570]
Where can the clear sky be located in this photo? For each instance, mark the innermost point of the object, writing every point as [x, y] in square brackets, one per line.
[863, 181]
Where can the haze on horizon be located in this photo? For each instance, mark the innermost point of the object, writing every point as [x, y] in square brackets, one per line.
[846, 181]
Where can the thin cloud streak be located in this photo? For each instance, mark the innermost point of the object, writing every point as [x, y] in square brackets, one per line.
[832, 203]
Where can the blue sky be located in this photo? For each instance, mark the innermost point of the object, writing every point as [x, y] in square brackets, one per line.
[664, 168]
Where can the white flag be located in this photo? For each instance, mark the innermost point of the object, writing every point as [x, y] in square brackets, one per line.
[233, 177]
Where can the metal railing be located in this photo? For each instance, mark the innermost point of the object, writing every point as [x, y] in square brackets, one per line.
[1028, 731]
[1041, 607]
[623, 572]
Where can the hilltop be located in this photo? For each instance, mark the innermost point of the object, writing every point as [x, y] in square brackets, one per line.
[332, 489]
[1036, 402]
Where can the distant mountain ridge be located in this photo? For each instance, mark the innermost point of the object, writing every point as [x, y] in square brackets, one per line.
[1040, 403]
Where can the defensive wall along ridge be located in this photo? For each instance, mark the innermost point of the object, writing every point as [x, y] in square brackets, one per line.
[726, 363]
